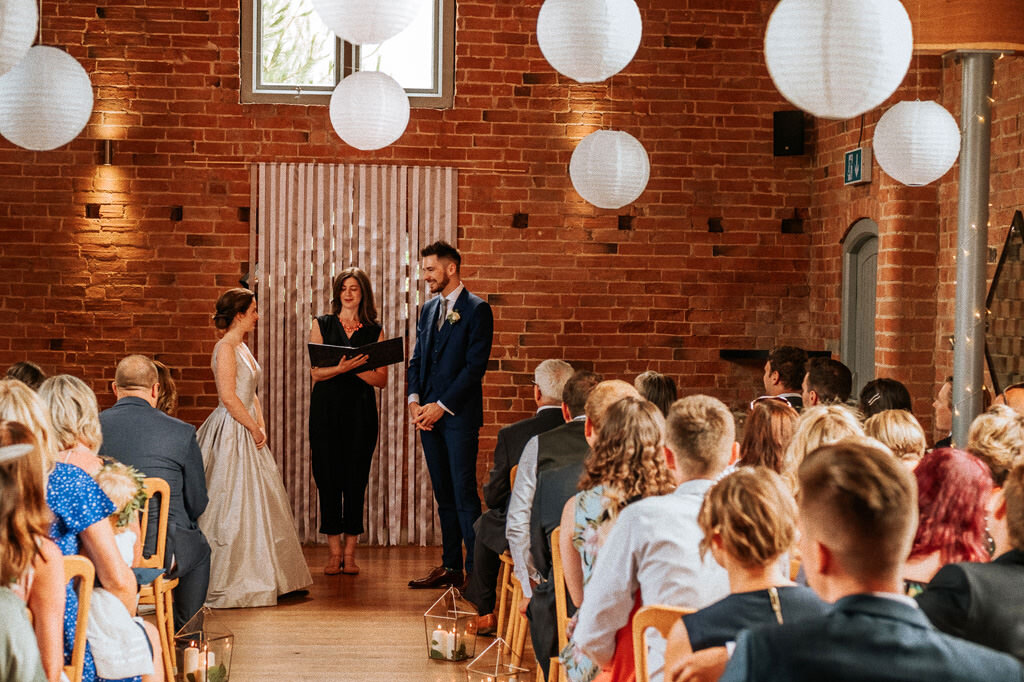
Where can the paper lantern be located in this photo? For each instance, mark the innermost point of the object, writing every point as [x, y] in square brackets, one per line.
[609, 168]
[916, 142]
[46, 100]
[589, 40]
[367, 21]
[18, 22]
[369, 110]
[838, 58]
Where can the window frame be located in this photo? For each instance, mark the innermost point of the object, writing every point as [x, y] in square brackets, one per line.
[442, 97]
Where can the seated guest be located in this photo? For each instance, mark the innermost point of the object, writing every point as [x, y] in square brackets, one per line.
[562, 445]
[827, 381]
[554, 487]
[749, 521]
[953, 488]
[899, 431]
[75, 418]
[651, 555]
[28, 373]
[983, 602]
[549, 379]
[158, 445]
[1012, 396]
[167, 401]
[30, 562]
[857, 516]
[996, 437]
[820, 425]
[80, 510]
[769, 428]
[626, 463]
[783, 374]
[658, 388]
[943, 406]
[883, 394]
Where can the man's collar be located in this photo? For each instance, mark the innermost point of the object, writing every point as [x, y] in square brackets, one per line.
[452, 297]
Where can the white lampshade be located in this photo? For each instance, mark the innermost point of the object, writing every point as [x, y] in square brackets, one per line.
[609, 168]
[369, 110]
[46, 100]
[18, 22]
[916, 142]
[589, 40]
[838, 58]
[367, 21]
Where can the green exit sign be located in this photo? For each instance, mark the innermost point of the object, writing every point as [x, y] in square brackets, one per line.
[857, 166]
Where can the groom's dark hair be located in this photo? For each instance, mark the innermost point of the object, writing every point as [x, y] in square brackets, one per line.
[443, 250]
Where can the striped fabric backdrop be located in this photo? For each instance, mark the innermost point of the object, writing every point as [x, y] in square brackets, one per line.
[313, 220]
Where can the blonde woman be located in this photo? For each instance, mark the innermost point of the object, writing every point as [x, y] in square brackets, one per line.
[819, 425]
[75, 417]
[626, 463]
[749, 520]
[900, 432]
[80, 510]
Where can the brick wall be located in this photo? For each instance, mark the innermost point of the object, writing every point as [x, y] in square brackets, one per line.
[77, 293]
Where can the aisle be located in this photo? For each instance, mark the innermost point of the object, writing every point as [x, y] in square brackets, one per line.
[348, 628]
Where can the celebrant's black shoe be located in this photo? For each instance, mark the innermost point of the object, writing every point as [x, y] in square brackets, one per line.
[438, 577]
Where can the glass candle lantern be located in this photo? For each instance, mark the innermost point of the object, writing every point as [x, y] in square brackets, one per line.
[202, 650]
[450, 628]
[496, 664]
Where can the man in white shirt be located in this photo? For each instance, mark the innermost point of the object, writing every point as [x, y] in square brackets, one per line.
[652, 550]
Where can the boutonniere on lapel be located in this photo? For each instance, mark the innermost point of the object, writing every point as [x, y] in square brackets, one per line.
[453, 316]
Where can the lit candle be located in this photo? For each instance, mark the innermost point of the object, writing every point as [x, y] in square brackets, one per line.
[450, 645]
[438, 640]
[191, 659]
[204, 655]
[211, 659]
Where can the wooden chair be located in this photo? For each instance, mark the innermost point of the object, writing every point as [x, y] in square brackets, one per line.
[656, 616]
[80, 568]
[561, 608]
[516, 626]
[158, 593]
[505, 576]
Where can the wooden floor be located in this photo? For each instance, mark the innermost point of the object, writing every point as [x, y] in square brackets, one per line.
[348, 628]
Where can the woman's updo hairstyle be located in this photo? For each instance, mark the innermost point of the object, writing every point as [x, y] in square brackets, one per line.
[231, 303]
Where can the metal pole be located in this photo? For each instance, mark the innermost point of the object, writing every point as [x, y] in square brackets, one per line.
[972, 242]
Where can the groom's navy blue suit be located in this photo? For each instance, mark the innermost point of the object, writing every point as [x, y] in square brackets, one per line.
[447, 367]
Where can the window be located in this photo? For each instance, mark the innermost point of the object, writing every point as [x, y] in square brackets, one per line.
[289, 56]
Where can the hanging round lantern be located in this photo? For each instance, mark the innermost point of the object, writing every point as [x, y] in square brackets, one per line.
[18, 22]
[46, 100]
[589, 40]
[363, 22]
[916, 142]
[838, 58]
[609, 168]
[369, 110]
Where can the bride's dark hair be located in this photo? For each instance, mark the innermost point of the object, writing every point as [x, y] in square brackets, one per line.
[231, 303]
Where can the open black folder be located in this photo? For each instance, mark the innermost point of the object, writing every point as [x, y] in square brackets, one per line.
[380, 354]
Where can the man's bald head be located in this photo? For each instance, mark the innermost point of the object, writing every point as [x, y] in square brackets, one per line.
[135, 373]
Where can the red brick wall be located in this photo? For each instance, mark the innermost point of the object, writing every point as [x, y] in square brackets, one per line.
[78, 293]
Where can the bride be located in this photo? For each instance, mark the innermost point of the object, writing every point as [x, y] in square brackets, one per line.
[256, 552]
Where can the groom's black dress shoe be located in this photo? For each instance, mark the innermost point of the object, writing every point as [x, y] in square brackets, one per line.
[438, 577]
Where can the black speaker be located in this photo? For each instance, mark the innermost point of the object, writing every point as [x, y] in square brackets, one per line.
[788, 133]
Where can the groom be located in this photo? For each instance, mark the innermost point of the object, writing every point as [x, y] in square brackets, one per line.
[453, 344]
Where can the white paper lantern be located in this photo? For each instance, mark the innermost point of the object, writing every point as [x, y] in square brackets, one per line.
[916, 142]
[609, 168]
[18, 22]
[589, 40]
[363, 22]
[838, 58]
[46, 100]
[369, 110]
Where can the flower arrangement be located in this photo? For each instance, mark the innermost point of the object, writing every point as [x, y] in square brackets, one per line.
[453, 316]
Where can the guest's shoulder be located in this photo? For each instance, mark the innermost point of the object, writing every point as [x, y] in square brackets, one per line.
[67, 474]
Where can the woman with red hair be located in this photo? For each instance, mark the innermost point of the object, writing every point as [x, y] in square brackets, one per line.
[953, 487]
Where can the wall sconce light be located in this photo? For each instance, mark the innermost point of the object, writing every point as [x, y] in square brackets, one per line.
[108, 152]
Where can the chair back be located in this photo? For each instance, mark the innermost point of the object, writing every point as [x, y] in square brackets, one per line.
[80, 568]
[659, 617]
[155, 486]
[561, 610]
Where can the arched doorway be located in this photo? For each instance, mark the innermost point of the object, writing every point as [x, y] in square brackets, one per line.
[860, 280]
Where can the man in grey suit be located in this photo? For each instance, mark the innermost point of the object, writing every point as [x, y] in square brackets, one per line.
[858, 515]
[158, 445]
